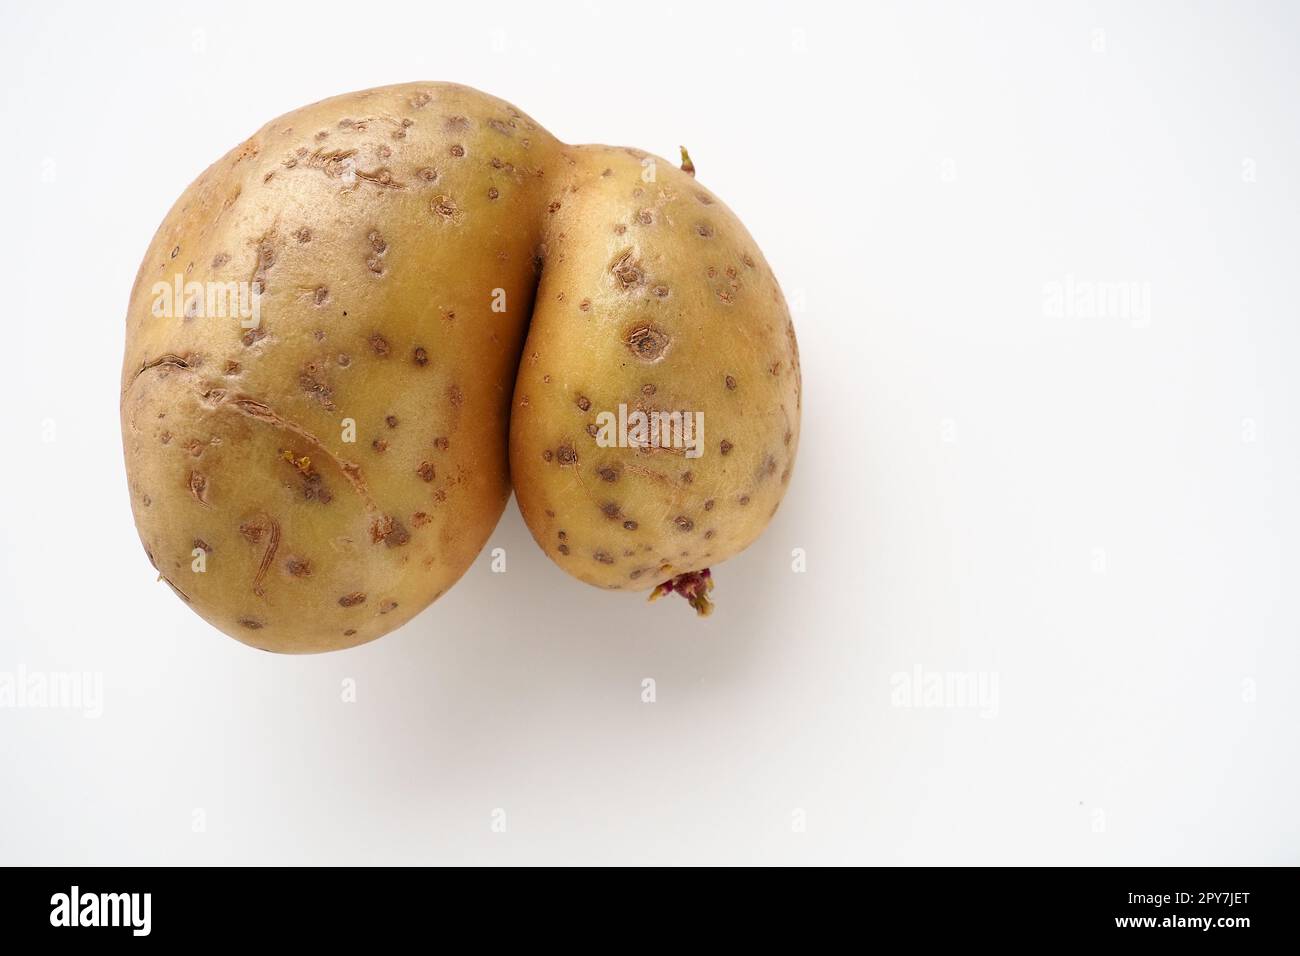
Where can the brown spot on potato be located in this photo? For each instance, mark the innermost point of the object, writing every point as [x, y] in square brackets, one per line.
[310, 383]
[391, 421]
[725, 447]
[252, 623]
[379, 345]
[563, 549]
[627, 270]
[708, 505]
[630, 525]
[298, 567]
[566, 455]
[683, 523]
[731, 383]
[420, 356]
[610, 509]
[583, 402]
[379, 445]
[353, 599]
[442, 444]
[390, 531]
[603, 557]
[455, 396]
[443, 207]
[647, 342]
[426, 471]
[608, 474]
[198, 487]
[387, 606]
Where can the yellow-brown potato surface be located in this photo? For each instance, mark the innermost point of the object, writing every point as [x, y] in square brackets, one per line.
[654, 298]
[311, 475]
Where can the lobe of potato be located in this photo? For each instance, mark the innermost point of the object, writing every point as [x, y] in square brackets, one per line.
[354, 328]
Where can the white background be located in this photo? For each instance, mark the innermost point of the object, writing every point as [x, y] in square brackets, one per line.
[1097, 510]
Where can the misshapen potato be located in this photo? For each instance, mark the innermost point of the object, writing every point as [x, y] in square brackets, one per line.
[323, 343]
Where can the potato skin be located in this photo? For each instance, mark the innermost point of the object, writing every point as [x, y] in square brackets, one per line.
[379, 225]
[314, 481]
[654, 297]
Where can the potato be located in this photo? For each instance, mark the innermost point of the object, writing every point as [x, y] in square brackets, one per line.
[654, 300]
[323, 343]
[381, 229]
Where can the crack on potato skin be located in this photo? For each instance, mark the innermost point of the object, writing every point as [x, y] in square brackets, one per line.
[166, 359]
[198, 485]
[268, 556]
[339, 164]
[259, 411]
[172, 584]
[219, 398]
